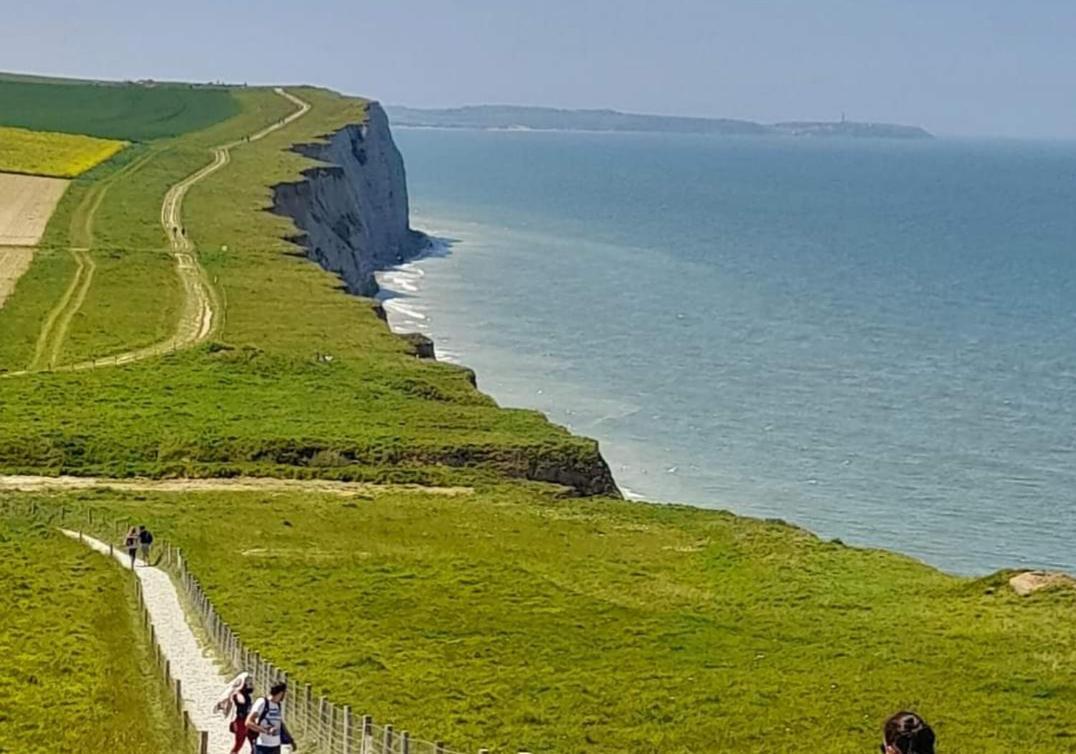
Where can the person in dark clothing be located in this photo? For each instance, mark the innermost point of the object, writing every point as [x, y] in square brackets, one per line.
[907, 733]
[236, 703]
[145, 540]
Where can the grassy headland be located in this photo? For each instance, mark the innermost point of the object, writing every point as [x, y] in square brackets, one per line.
[75, 671]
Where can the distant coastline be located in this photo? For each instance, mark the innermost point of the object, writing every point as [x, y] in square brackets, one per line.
[514, 118]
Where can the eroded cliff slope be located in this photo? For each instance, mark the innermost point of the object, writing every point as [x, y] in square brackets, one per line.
[353, 211]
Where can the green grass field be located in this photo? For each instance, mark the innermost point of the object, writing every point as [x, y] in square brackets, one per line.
[75, 671]
[514, 620]
[52, 154]
[375, 412]
[131, 112]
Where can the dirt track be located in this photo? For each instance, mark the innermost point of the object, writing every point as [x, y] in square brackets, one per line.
[236, 484]
[26, 203]
[200, 303]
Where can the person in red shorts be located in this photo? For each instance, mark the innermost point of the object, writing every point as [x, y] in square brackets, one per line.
[235, 703]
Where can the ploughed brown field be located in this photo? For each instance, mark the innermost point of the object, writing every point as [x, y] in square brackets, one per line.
[26, 203]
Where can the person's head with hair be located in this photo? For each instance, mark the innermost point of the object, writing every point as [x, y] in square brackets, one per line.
[277, 691]
[907, 733]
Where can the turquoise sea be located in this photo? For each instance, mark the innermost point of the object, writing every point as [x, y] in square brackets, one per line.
[875, 340]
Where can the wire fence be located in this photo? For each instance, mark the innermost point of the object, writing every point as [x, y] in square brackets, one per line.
[318, 724]
[193, 739]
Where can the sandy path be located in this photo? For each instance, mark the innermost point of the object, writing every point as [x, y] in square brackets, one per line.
[26, 483]
[195, 667]
[14, 261]
[26, 204]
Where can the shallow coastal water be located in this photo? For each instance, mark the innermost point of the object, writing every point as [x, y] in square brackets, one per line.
[875, 340]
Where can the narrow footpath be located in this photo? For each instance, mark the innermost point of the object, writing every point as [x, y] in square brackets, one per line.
[194, 666]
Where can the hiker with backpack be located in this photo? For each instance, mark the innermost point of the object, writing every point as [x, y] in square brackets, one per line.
[131, 543]
[238, 697]
[267, 719]
[145, 539]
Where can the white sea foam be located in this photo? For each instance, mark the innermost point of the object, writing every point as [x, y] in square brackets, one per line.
[394, 306]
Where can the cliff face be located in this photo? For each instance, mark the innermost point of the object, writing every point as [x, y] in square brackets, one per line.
[353, 212]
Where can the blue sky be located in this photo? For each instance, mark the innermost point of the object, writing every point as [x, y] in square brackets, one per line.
[991, 67]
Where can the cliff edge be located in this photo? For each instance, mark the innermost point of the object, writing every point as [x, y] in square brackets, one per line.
[353, 210]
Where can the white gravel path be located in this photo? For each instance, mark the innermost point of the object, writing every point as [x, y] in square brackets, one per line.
[194, 665]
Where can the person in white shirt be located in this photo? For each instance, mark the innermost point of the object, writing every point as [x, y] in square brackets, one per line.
[267, 718]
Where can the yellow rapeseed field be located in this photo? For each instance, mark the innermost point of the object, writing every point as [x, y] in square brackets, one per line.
[52, 154]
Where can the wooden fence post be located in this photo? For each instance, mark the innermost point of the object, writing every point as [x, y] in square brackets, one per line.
[321, 720]
[388, 739]
[405, 743]
[179, 695]
[332, 725]
[367, 743]
[439, 747]
[306, 709]
[203, 744]
[347, 730]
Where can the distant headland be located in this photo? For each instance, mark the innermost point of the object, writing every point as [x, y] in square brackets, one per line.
[511, 117]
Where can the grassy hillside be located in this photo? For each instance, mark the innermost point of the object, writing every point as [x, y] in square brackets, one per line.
[130, 112]
[52, 154]
[509, 618]
[374, 412]
[75, 674]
